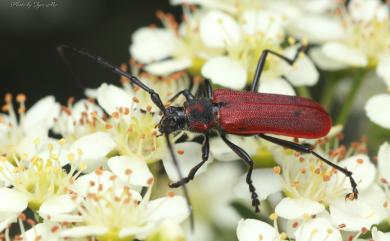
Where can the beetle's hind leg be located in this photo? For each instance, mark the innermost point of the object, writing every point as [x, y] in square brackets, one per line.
[248, 160]
[309, 149]
[191, 174]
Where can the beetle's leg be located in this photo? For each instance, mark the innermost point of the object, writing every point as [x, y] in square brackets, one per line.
[205, 157]
[248, 160]
[153, 95]
[177, 166]
[309, 149]
[262, 60]
[186, 93]
[209, 88]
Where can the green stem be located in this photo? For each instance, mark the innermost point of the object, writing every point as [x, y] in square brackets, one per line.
[328, 92]
[303, 91]
[349, 100]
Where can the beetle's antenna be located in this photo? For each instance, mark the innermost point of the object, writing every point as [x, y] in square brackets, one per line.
[185, 191]
[153, 95]
[68, 66]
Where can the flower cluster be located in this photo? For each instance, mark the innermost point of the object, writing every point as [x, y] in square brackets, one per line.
[98, 168]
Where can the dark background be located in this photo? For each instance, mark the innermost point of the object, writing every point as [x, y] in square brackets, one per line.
[29, 36]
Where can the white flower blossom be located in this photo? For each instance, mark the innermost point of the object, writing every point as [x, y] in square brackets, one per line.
[365, 41]
[32, 182]
[26, 132]
[107, 208]
[374, 110]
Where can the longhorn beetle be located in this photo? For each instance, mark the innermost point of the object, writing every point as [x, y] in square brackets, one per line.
[244, 113]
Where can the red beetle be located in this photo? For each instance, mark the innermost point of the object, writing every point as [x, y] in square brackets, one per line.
[241, 113]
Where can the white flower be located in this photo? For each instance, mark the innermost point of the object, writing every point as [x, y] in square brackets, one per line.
[32, 182]
[298, 208]
[384, 161]
[365, 42]
[93, 149]
[108, 208]
[25, 132]
[12, 204]
[41, 231]
[367, 210]
[244, 43]
[374, 110]
[254, 230]
[111, 98]
[317, 229]
[181, 43]
[77, 120]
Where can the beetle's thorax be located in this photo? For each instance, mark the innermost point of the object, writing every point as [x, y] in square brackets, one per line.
[200, 114]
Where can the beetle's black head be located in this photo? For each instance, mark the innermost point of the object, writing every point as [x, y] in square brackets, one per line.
[173, 120]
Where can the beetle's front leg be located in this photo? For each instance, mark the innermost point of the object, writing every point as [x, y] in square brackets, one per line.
[191, 174]
[248, 160]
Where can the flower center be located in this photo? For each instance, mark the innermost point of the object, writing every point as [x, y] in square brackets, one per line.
[136, 135]
[115, 209]
[40, 178]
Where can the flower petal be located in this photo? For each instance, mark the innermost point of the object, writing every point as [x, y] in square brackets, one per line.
[222, 152]
[138, 232]
[131, 170]
[218, 29]
[34, 140]
[317, 229]
[263, 22]
[384, 161]
[367, 210]
[12, 201]
[383, 69]
[152, 44]
[188, 154]
[226, 72]
[93, 183]
[83, 231]
[4, 223]
[296, 208]
[95, 148]
[265, 181]
[276, 86]
[253, 230]
[173, 208]
[7, 173]
[324, 62]
[303, 73]
[344, 54]
[307, 27]
[374, 110]
[167, 67]
[363, 171]
[111, 98]
[41, 231]
[82, 106]
[42, 113]
[56, 205]
[367, 10]
[379, 236]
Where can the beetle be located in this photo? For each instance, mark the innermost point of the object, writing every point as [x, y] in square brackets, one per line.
[243, 113]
